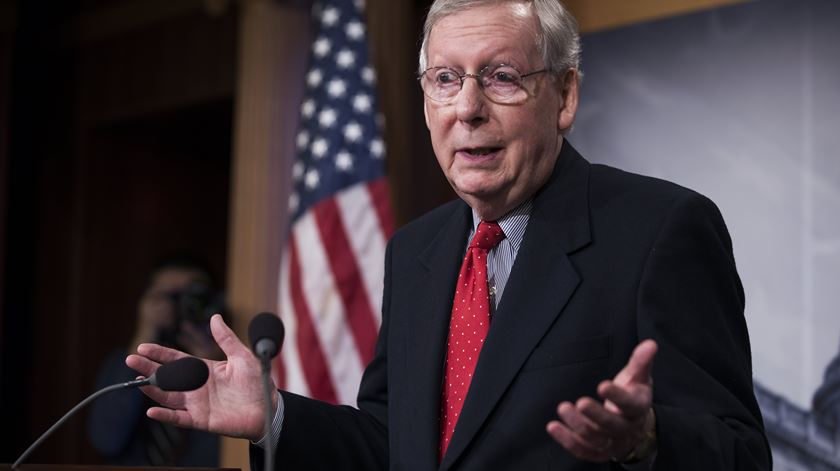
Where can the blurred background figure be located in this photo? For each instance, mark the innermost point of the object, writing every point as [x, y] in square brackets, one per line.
[174, 310]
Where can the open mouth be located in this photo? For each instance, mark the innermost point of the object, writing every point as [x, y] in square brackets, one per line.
[479, 151]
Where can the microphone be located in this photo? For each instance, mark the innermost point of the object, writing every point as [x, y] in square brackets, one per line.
[266, 334]
[185, 374]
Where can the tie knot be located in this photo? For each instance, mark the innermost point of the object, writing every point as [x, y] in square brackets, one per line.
[487, 236]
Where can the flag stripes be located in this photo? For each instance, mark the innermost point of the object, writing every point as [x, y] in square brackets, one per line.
[309, 345]
[342, 260]
[334, 295]
[367, 235]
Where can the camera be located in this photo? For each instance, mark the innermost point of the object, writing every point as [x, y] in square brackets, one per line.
[196, 303]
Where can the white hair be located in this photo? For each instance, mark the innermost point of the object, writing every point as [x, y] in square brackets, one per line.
[557, 38]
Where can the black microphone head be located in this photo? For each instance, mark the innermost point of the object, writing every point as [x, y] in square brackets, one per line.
[266, 326]
[185, 374]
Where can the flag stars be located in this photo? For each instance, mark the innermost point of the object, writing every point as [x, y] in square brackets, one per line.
[344, 161]
[327, 117]
[302, 140]
[353, 131]
[314, 78]
[362, 103]
[307, 109]
[294, 202]
[345, 59]
[321, 47]
[354, 30]
[297, 170]
[312, 179]
[336, 88]
[368, 75]
[377, 148]
[319, 147]
[330, 16]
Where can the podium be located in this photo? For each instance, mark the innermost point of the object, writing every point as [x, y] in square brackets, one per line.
[84, 467]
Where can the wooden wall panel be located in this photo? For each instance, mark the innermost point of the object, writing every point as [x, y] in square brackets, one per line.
[417, 183]
[272, 54]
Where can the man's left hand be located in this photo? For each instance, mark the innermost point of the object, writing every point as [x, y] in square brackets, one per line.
[622, 425]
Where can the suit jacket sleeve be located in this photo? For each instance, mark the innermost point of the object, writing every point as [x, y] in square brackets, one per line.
[321, 436]
[691, 302]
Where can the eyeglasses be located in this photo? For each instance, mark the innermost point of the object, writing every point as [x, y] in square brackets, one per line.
[501, 83]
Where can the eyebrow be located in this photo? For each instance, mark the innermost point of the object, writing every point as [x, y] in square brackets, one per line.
[516, 64]
[501, 55]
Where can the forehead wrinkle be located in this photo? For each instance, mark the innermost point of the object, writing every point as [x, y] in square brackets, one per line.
[473, 45]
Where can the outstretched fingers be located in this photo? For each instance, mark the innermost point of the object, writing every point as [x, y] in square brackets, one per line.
[598, 414]
[179, 418]
[631, 401]
[640, 365]
[142, 365]
[226, 338]
[150, 356]
[574, 443]
[597, 431]
[159, 353]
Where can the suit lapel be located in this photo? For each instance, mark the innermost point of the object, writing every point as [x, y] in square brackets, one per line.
[541, 282]
[428, 326]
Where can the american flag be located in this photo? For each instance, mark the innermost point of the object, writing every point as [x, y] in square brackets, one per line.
[330, 293]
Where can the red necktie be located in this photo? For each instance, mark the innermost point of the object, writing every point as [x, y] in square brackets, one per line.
[468, 327]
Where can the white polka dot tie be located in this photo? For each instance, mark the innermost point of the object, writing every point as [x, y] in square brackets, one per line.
[468, 327]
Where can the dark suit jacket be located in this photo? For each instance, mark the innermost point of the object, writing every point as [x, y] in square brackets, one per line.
[608, 259]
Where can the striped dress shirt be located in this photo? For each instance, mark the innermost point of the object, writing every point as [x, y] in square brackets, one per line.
[500, 259]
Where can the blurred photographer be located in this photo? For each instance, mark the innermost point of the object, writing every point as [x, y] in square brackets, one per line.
[174, 310]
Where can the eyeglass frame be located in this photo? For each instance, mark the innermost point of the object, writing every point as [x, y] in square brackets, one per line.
[478, 77]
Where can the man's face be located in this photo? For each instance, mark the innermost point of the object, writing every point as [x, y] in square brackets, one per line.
[157, 303]
[494, 155]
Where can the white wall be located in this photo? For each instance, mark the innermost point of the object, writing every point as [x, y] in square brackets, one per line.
[742, 104]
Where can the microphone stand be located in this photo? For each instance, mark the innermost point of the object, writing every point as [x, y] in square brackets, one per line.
[113, 387]
[266, 334]
[265, 363]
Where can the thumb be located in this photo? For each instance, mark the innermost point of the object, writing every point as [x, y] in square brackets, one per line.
[640, 365]
[226, 338]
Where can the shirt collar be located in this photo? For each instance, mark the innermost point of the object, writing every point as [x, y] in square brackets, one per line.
[513, 223]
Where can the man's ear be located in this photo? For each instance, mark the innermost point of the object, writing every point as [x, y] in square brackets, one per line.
[569, 94]
[426, 112]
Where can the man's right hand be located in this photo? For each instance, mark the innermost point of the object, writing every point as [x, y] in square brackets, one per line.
[230, 403]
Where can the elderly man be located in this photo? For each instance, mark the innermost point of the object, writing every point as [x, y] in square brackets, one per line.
[521, 322]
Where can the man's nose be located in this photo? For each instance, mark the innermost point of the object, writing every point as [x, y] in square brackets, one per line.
[471, 104]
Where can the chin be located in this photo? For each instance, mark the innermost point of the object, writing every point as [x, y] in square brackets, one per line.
[474, 191]
[477, 196]
[478, 181]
